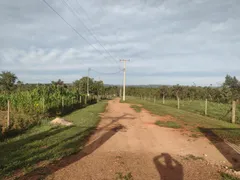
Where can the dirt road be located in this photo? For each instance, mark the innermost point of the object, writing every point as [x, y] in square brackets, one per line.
[127, 141]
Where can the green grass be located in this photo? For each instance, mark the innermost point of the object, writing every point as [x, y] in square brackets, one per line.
[216, 110]
[193, 121]
[46, 143]
[121, 176]
[136, 108]
[192, 157]
[226, 176]
[169, 124]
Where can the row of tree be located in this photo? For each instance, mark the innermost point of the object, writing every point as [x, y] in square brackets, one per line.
[9, 83]
[230, 90]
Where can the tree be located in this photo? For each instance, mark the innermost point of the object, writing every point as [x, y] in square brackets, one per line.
[59, 82]
[98, 87]
[234, 85]
[19, 85]
[81, 85]
[7, 80]
[231, 82]
[163, 91]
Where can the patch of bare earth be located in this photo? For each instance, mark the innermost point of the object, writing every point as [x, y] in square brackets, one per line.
[126, 141]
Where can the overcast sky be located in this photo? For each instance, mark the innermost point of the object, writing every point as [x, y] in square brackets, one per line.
[166, 41]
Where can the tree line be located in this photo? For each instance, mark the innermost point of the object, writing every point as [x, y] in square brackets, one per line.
[9, 83]
[227, 92]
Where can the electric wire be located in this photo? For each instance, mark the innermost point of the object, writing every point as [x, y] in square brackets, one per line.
[71, 27]
[77, 15]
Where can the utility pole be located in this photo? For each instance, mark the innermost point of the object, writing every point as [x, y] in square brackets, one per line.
[124, 77]
[88, 82]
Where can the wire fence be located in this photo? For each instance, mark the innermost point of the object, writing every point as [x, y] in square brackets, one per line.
[222, 111]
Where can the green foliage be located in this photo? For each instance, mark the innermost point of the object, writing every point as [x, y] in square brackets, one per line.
[226, 176]
[7, 80]
[192, 157]
[136, 108]
[30, 107]
[81, 84]
[226, 93]
[234, 85]
[169, 124]
[120, 176]
[113, 90]
[95, 87]
[47, 143]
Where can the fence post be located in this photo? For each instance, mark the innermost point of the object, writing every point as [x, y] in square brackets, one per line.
[154, 100]
[206, 107]
[8, 115]
[233, 112]
[163, 99]
[178, 102]
[43, 104]
[62, 102]
[80, 99]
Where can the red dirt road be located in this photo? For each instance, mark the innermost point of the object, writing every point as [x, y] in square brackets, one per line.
[127, 141]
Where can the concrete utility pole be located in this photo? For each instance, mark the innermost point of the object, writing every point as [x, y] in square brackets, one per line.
[88, 82]
[124, 77]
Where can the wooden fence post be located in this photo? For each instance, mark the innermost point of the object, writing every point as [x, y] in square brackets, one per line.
[43, 104]
[8, 115]
[154, 100]
[178, 102]
[80, 99]
[206, 107]
[233, 112]
[163, 99]
[62, 102]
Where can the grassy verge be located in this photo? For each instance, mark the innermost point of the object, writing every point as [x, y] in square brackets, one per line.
[46, 143]
[226, 176]
[136, 108]
[216, 110]
[169, 124]
[192, 157]
[194, 122]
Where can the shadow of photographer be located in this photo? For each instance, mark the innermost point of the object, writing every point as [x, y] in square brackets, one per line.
[168, 168]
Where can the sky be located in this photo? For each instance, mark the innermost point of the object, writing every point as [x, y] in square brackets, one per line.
[167, 41]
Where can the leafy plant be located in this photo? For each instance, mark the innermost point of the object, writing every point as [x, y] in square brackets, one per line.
[136, 108]
[226, 176]
[120, 176]
[169, 124]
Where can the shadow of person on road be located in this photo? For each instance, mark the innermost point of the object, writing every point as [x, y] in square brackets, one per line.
[168, 168]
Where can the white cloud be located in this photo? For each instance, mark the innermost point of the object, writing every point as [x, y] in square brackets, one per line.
[178, 40]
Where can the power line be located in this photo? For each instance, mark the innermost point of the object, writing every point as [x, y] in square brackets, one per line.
[84, 11]
[71, 27]
[105, 72]
[77, 15]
